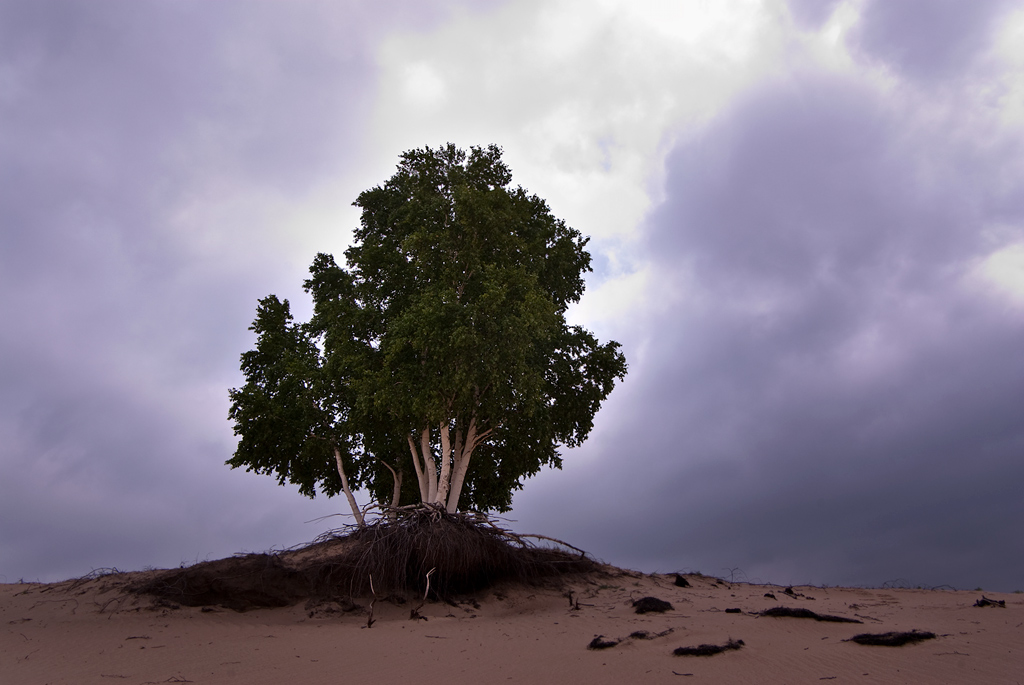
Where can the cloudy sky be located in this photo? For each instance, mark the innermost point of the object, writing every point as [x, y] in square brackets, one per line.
[807, 222]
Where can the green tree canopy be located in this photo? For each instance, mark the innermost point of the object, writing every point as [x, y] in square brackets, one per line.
[440, 344]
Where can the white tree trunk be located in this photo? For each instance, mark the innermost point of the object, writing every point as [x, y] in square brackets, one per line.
[421, 476]
[461, 466]
[460, 433]
[396, 494]
[348, 492]
[430, 466]
[443, 480]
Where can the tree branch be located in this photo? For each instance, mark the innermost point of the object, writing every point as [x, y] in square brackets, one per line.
[396, 493]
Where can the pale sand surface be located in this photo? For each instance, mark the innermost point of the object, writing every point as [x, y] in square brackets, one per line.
[87, 632]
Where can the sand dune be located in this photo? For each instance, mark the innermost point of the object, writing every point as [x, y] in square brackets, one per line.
[91, 632]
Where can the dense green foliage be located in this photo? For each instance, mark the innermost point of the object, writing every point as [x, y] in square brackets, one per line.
[448, 313]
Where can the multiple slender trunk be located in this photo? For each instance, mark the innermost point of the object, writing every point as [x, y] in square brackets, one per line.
[440, 485]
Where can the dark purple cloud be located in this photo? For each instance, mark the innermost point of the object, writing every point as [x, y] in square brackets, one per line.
[927, 39]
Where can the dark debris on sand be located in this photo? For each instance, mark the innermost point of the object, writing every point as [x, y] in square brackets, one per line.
[646, 605]
[708, 650]
[600, 643]
[789, 612]
[646, 635]
[986, 602]
[894, 639]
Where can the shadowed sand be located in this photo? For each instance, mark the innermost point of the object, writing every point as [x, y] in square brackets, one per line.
[90, 631]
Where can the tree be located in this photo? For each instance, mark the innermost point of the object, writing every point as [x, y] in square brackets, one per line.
[442, 343]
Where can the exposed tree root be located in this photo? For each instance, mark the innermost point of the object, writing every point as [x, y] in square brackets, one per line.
[423, 550]
[463, 552]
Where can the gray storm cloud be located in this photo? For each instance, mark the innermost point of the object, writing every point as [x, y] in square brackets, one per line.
[819, 388]
[124, 309]
[928, 39]
[823, 395]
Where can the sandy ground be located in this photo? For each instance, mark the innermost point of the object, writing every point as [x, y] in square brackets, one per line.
[88, 632]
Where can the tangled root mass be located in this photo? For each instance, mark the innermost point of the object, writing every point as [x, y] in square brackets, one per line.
[462, 553]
